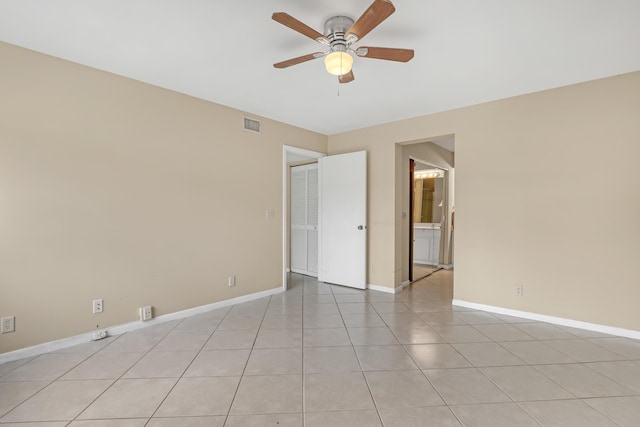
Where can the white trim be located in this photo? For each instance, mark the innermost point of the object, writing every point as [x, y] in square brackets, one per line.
[388, 290]
[384, 289]
[611, 330]
[131, 326]
[445, 266]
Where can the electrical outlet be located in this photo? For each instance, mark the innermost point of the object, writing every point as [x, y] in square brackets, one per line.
[97, 306]
[8, 324]
[98, 335]
[146, 313]
[518, 290]
[232, 281]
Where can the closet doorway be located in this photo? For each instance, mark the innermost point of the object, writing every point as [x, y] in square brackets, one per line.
[304, 219]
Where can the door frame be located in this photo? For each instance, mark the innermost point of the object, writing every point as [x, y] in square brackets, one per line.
[300, 154]
[414, 159]
[412, 168]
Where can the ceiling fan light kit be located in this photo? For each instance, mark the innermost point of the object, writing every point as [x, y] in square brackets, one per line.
[338, 63]
[340, 33]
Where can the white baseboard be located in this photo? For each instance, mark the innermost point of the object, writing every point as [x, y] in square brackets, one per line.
[387, 290]
[627, 333]
[131, 326]
[446, 266]
[383, 289]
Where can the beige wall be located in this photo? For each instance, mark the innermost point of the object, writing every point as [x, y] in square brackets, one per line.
[530, 199]
[527, 181]
[114, 189]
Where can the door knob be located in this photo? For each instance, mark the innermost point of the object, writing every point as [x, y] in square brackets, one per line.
[360, 227]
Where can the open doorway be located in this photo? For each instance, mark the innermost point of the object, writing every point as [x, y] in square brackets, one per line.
[428, 174]
[427, 210]
[290, 156]
[341, 220]
[303, 224]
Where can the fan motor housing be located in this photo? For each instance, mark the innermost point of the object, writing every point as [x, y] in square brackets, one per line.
[335, 29]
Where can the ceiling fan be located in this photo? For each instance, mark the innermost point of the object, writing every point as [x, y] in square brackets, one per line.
[340, 33]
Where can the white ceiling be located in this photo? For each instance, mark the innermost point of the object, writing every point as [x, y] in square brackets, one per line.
[467, 51]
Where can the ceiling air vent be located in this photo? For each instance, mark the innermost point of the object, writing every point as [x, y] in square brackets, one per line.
[251, 125]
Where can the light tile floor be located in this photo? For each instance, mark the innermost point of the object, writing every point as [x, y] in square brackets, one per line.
[321, 355]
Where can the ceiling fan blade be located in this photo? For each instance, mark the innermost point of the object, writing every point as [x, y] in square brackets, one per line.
[298, 60]
[371, 18]
[387, 53]
[291, 22]
[346, 78]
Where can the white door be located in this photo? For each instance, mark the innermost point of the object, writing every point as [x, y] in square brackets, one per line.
[304, 219]
[343, 219]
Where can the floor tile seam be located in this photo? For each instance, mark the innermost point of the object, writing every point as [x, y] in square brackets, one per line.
[607, 376]
[373, 400]
[148, 353]
[244, 369]
[456, 416]
[578, 363]
[585, 340]
[586, 402]
[94, 400]
[26, 399]
[538, 322]
[524, 362]
[533, 417]
[590, 340]
[496, 403]
[541, 342]
[24, 361]
[69, 369]
[624, 359]
[198, 352]
[164, 336]
[166, 396]
[351, 345]
[444, 401]
[495, 384]
[455, 349]
[114, 381]
[303, 394]
[586, 365]
[51, 380]
[518, 340]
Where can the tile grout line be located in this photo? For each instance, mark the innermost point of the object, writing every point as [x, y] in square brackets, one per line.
[188, 365]
[235, 394]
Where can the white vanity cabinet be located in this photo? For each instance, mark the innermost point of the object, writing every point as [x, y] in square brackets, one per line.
[426, 245]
